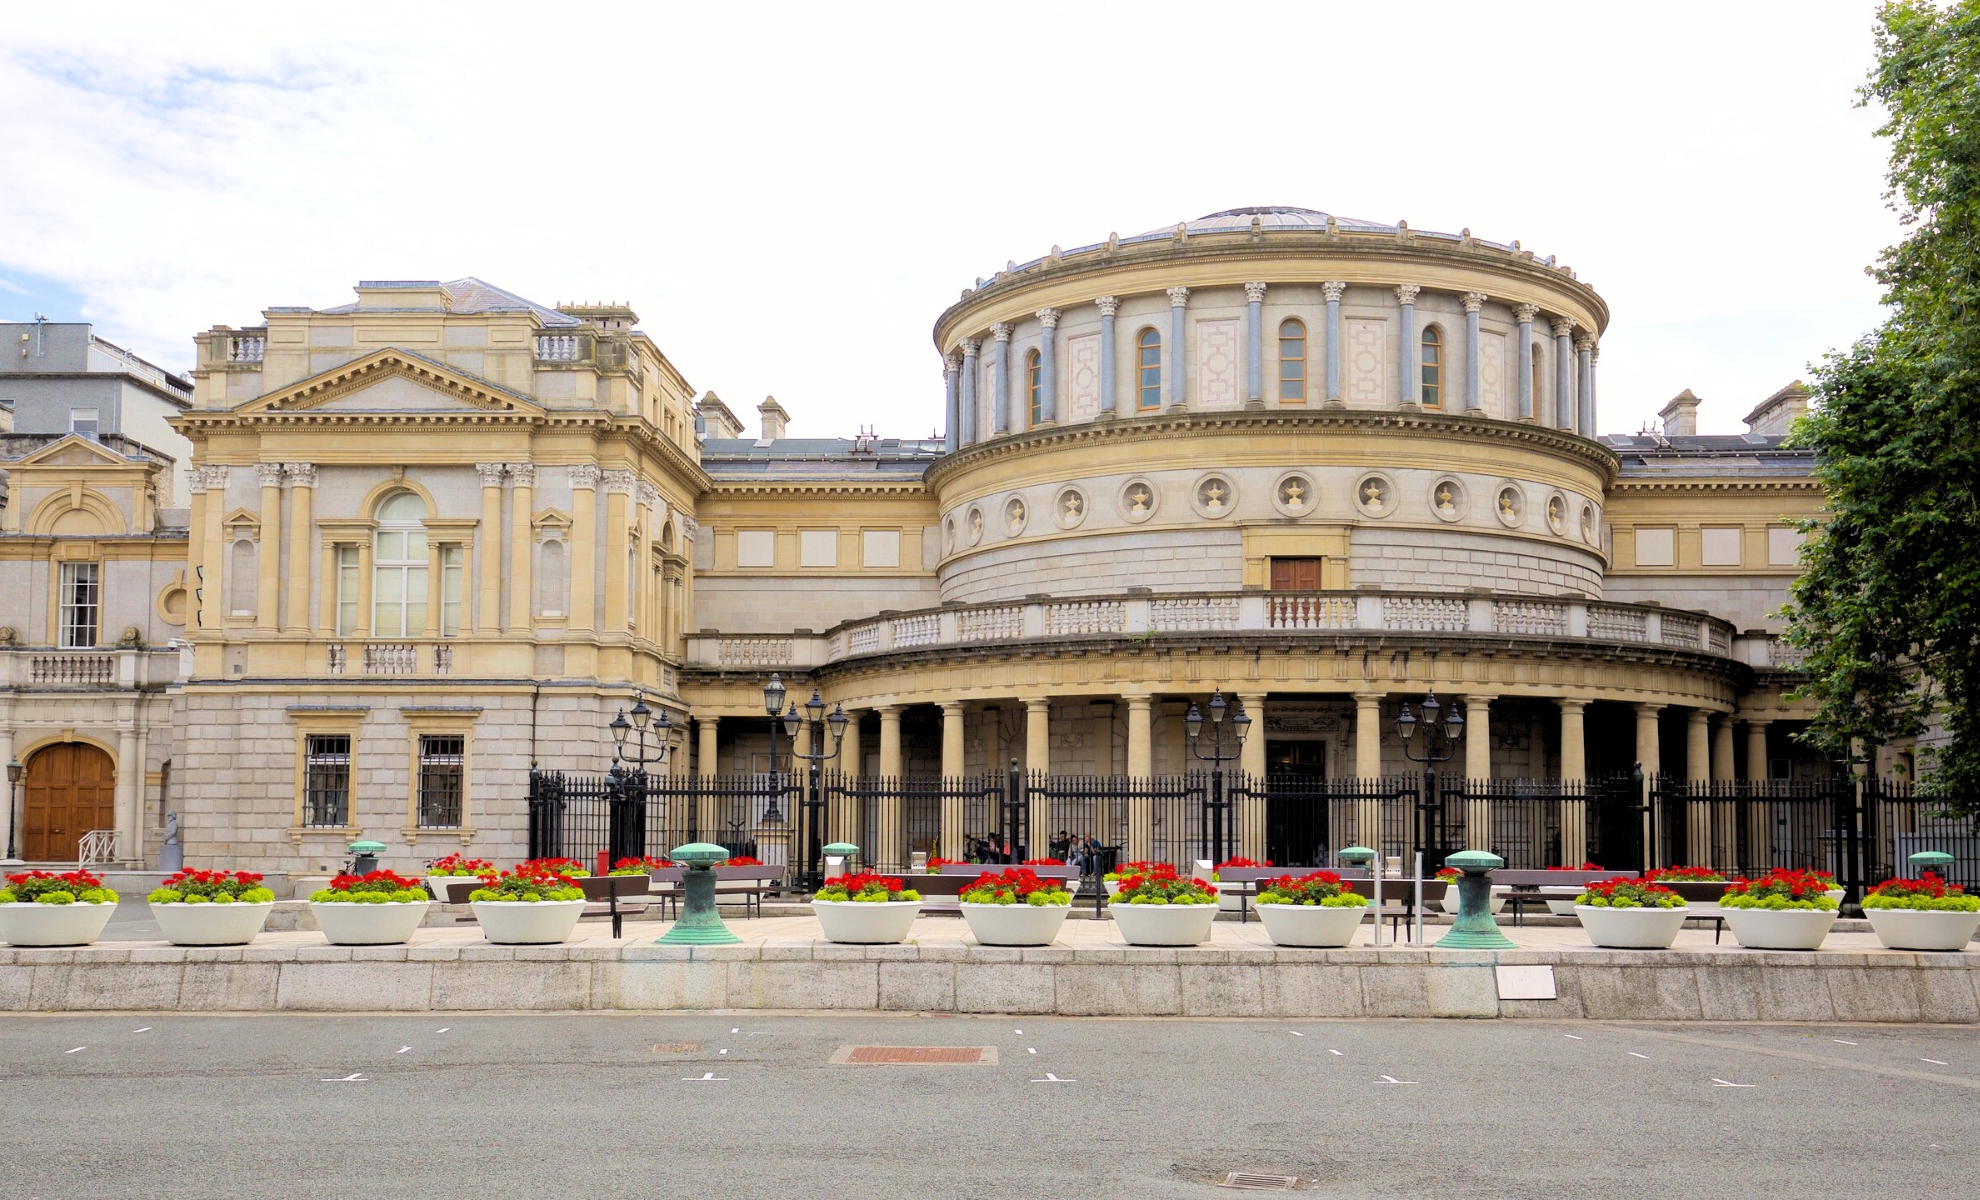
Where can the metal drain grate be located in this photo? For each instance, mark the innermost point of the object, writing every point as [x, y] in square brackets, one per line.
[951, 1056]
[1251, 1181]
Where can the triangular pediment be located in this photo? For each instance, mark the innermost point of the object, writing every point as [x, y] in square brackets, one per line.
[389, 382]
[75, 451]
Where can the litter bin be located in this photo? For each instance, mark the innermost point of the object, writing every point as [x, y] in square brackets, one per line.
[836, 856]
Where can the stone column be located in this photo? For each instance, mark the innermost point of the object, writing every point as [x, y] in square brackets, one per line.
[1594, 358]
[1650, 757]
[1048, 367]
[1722, 750]
[1107, 305]
[1000, 362]
[584, 548]
[1760, 831]
[268, 549]
[951, 839]
[302, 483]
[1478, 765]
[1410, 392]
[1251, 818]
[1178, 359]
[1698, 773]
[1141, 765]
[1368, 765]
[1524, 314]
[522, 545]
[487, 551]
[432, 627]
[1472, 301]
[1574, 770]
[130, 784]
[1756, 750]
[196, 550]
[1584, 413]
[1038, 759]
[952, 402]
[970, 433]
[842, 818]
[708, 754]
[1563, 373]
[1725, 819]
[1254, 345]
[1333, 292]
[214, 551]
[13, 795]
[619, 487]
[890, 851]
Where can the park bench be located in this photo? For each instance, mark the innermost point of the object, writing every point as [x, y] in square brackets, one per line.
[614, 896]
[1526, 886]
[749, 884]
[1399, 899]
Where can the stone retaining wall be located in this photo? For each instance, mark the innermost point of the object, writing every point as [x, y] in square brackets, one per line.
[1676, 985]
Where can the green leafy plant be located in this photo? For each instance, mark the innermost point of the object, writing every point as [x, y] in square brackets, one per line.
[212, 887]
[1781, 889]
[1685, 875]
[46, 887]
[1171, 888]
[567, 868]
[455, 866]
[1628, 893]
[1138, 868]
[1019, 885]
[375, 887]
[1316, 889]
[526, 886]
[865, 888]
[1930, 894]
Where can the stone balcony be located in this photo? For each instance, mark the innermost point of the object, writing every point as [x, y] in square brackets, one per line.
[1283, 614]
[88, 670]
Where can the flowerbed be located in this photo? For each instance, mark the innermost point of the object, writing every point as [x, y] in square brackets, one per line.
[1016, 886]
[455, 866]
[866, 888]
[378, 908]
[1157, 887]
[1317, 888]
[1685, 875]
[212, 887]
[528, 884]
[1930, 894]
[1922, 914]
[638, 866]
[1782, 889]
[42, 908]
[1314, 910]
[567, 868]
[1628, 893]
[46, 887]
[373, 887]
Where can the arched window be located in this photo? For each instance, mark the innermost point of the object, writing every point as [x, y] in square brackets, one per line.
[1034, 387]
[1433, 367]
[398, 566]
[1292, 362]
[1148, 390]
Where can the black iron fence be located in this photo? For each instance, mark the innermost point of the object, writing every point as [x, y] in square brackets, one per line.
[1861, 830]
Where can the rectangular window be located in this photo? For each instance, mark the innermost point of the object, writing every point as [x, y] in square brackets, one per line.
[1720, 547]
[1783, 546]
[442, 762]
[453, 566]
[83, 421]
[79, 605]
[1296, 574]
[818, 548]
[756, 548]
[347, 590]
[1656, 547]
[327, 780]
[880, 548]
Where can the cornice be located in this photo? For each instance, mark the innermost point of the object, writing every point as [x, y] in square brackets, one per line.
[1158, 427]
[818, 487]
[1792, 483]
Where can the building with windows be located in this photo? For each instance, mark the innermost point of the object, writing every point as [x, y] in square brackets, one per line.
[441, 534]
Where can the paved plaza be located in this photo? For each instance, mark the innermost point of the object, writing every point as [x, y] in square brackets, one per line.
[744, 1105]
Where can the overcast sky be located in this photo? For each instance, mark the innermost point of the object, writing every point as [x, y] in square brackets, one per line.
[789, 196]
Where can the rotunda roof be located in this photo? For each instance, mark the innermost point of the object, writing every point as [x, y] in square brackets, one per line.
[1270, 216]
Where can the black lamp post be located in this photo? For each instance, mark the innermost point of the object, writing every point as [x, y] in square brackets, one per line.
[629, 774]
[813, 799]
[773, 703]
[1236, 728]
[14, 772]
[1442, 731]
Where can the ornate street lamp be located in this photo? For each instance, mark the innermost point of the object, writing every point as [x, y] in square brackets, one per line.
[773, 703]
[822, 751]
[630, 760]
[14, 772]
[1440, 743]
[1236, 729]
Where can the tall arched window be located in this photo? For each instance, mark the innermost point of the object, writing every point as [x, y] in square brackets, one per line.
[1148, 389]
[398, 566]
[1292, 362]
[1433, 367]
[1034, 387]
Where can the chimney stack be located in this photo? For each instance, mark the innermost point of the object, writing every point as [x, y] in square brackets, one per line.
[1681, 415]
[1778, 411]
[775, 419]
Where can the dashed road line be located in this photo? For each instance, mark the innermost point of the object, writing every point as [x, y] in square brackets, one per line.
[353, 1077]
[1644, 1057]
[709, 1077]
[1393, 1079]
[1717, 1082]
[77, 1050]
[1935, 1062]
[1051, 1078]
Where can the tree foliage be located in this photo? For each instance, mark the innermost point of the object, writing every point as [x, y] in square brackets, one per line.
[1888, 606]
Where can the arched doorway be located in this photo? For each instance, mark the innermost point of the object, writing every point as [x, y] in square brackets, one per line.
[71, 789]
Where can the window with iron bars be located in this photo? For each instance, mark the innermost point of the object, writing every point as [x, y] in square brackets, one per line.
[442, 769]
[327, 780]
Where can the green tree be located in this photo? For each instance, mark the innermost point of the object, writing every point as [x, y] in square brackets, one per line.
[1888, 608]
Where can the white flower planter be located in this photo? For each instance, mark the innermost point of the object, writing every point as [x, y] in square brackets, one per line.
[1835, 894]
[1113, 885]
[1561, 900]
[520, 923]
[1164, 924]
[1916, 929]
[368, 924]
[211, 924]
[1015, 924]
[860, 924]
[1229, 897]
[1631, 928]
[1499, 893]
[1779, 928]
[53, 924]
[1310, 924]
[437, 884]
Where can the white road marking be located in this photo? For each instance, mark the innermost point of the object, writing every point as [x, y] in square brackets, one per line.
[1296, 1033]
[1575, 1036]
[1031, 1049]
[724, 1051]
[1051, 1078]
[1935, 1062]
[1393, 1079]
[444, 1029]
[737, 1029]
[1716, 1082]
[402, 1050]
[353, 1077]
[1644, 1057]
[1335, 1052]
[709, 1077]
[1019, 1032]
[146, 1029]
[76, 1050]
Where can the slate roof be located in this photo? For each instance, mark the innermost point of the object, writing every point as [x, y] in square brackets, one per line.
[469, 296]
[1647, 456]
[740, 459]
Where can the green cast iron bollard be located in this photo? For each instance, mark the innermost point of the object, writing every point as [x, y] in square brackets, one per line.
[1474, 928]
[700, 923]
[1934, 861]
[1356, 856]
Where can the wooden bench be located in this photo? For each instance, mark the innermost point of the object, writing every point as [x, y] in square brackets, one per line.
[755, 883]
[1399, 899]
[614, 896]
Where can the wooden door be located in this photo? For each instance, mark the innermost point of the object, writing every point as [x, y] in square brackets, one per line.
[1295, 574]
[71, 789]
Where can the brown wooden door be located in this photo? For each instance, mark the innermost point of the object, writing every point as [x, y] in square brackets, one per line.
[71, 789]
[1295, 574]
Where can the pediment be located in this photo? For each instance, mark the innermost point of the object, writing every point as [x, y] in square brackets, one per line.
[75, 451]
[391, 382]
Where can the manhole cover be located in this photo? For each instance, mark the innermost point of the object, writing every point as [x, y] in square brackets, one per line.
[1251, 1181]
[954, 1056]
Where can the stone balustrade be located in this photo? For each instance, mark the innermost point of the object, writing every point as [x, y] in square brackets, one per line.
[87, 669]
[1371, 612]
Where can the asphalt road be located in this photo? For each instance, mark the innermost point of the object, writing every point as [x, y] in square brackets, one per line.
[611, 1105]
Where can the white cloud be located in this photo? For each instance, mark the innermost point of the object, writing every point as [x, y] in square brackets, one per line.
[790, 195]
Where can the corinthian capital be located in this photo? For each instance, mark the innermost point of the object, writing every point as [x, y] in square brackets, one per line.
[1525, 313]
[1585, 344]
[584, 475]
[491, 474]
[1406, 293]
[522, 474]
[1473, 301]
[1178, 296]
[621, 481]
[951, 362]
[301, 474]
[1001, 331]
[1334, 291]
[1048, 317]
[1254, 293]
[970, 346]
[1563, 326]
[1109, 305]
[270, 473]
